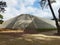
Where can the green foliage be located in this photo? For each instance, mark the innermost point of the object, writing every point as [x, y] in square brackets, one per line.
[45, 29]
[2, 9]
[1, 21]
[1, 16]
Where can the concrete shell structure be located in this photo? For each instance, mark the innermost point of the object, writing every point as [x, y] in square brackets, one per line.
[26, 21]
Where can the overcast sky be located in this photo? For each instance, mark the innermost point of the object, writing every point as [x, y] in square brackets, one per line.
[17, 7]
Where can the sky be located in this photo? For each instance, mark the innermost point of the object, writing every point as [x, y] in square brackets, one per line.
[17, 7]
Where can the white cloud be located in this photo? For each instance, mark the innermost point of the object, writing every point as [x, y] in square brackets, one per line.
[56, 7]
[11, 10]
[17, 7]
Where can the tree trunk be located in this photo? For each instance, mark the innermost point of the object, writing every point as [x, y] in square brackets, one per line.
[56, 21]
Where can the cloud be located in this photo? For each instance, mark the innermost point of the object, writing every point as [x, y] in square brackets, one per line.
[17, 7]
[56, 7]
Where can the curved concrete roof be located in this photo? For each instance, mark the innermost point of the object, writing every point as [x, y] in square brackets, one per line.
[25, 20]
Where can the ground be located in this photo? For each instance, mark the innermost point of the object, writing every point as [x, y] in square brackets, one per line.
[20, 38]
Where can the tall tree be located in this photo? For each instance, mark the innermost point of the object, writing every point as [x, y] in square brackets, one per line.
[2, 9]
[52, 11]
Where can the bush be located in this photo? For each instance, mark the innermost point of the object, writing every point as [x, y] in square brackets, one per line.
[1, 21]
[45, 29]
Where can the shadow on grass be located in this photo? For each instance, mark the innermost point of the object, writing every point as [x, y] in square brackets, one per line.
[7, 40]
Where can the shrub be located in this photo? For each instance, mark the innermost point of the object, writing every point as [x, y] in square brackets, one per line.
[45, 29]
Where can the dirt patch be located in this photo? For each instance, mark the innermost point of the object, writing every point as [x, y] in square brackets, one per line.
[21, 32]
[10, 32]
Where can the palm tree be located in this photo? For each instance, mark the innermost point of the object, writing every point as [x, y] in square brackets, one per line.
[53, 14]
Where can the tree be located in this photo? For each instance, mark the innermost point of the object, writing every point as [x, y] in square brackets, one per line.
[1, 17]
[59, 14]
[53, 14]
[2, 9]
